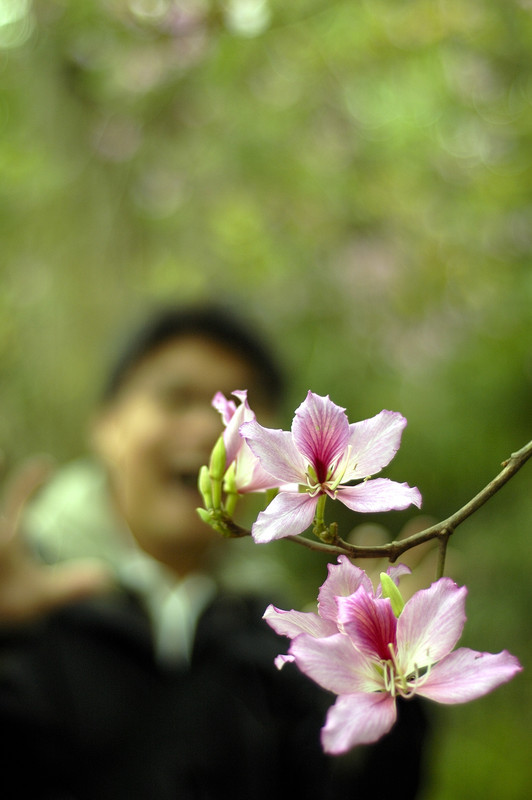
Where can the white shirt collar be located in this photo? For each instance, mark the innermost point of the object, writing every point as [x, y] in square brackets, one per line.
[174, 605]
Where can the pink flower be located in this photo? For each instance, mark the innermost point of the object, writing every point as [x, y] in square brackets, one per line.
[321, 454]
[343, 580]
[249, 476]
[368, 657]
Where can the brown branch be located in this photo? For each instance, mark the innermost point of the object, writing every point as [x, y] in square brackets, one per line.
[441, 530]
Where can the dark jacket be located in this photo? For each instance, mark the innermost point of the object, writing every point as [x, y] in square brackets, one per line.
[88, 714]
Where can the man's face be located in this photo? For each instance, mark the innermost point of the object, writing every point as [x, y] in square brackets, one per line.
[156, 435]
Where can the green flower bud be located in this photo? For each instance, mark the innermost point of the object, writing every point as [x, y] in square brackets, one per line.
[389, 589]
[231, 492]
[230, 480]
[205, 516]
[230, 504]
[217, 462]
[205, 487]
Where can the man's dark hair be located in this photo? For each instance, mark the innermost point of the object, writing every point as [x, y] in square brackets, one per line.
[210, 322]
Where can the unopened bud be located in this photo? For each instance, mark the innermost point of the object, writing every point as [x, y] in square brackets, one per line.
[205, 516]
[230, 480]
[389, 589]
[217, 461]
[204, 486]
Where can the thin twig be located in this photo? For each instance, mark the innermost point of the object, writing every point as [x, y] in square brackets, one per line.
[441, 530]
[443, 541]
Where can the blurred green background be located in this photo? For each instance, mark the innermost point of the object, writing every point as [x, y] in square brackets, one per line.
[357, 178]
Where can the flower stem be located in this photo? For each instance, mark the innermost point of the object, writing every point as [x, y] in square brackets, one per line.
[318, 528]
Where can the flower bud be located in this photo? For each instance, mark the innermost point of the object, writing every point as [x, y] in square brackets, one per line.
[217, 461]
[204, 486]
[230, 480]
[205, 516]
[389, 589]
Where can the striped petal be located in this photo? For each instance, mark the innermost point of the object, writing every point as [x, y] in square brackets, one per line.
[430, 624]
[276, 451]
[467, 674]
[369, 622]
[321, 432]
[288, 514]
[334, 664]
[343, 580]
[249, 474]
[357, 719]
[374, 443]
[292, 623]
[380, 494]
[233, 416]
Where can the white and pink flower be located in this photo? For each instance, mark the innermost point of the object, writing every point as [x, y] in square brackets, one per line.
[357, 648]
[321, 455]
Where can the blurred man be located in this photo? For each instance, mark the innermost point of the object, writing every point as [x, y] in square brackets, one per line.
[139, 677]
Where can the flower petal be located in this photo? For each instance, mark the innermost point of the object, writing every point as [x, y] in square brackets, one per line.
[276, 451]
[380, 494]
[233, 417]
[357, 719]
[374, 443]
[288, 514]
[335, 664]
[225, 407]
[343, 579]
[281, 660]
[292, 623]
[467, 674]
[369, 622]
[321, 432]
[249, 474]
[430, 624]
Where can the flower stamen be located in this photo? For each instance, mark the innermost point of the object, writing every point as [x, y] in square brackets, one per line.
[396, 682]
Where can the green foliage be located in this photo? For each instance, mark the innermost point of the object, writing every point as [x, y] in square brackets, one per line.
[356, 176]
